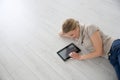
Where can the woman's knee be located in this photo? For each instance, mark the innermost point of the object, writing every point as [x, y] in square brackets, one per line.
[119, 59]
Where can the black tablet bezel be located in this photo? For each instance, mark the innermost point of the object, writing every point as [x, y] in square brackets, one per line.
[78, 50]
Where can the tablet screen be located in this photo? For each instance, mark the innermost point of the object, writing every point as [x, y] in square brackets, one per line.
[64, 53]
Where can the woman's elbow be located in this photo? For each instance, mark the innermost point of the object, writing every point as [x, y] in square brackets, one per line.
[100, 53]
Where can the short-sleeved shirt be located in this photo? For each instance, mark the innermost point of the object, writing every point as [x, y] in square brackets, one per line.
[87, 31]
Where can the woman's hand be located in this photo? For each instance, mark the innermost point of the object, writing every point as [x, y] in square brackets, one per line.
[75, 55]
[61, 34]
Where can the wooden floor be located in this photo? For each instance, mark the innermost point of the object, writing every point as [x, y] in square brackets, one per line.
[29, 38]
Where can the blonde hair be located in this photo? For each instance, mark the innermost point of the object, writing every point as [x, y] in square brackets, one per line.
[69, 25]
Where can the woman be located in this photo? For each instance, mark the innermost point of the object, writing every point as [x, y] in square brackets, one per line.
[95, 41]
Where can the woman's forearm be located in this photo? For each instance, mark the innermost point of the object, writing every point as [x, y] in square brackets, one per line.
[90, 55]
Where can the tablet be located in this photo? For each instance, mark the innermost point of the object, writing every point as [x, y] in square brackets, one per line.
[64, 53]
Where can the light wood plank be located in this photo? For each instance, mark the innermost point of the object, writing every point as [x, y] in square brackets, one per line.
[15, 66]
[4, 74]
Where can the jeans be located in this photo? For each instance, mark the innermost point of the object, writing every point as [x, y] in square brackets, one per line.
[114, 57]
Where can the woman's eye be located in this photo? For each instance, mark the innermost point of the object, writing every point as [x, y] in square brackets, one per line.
[71, 35]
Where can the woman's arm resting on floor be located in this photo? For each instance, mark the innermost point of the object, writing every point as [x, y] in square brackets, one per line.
[97, 44]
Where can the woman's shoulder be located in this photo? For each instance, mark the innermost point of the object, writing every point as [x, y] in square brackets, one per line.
[91, 26]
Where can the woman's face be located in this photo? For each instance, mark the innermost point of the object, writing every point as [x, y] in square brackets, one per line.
[75, 34]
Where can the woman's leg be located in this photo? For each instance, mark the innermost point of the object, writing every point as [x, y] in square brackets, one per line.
[119, 58]
[115, 57]
[116, 64]
[117, 67]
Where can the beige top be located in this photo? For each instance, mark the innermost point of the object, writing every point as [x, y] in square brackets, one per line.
[85, 34]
